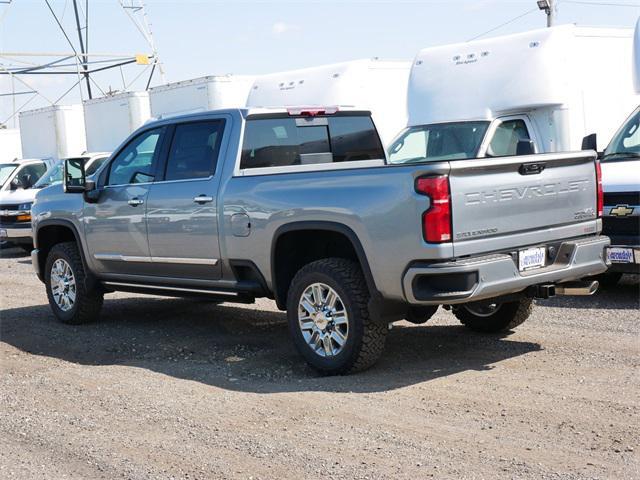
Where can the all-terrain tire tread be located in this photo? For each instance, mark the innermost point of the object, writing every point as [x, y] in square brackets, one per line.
[349, 274]
[88, 301]
[506, 319]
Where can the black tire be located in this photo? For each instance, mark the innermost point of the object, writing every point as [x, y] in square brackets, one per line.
[507, 316]
[608, 279]
[365, 341]
[88, 302]
[420, 315]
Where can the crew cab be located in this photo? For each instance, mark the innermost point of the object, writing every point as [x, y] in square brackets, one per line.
[300, 205]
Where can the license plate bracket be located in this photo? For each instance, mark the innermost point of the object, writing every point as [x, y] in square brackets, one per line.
[532, 258]
[620, 255]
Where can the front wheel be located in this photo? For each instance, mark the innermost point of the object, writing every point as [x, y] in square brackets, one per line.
[70, 299]
[488, 317]
[327, 310]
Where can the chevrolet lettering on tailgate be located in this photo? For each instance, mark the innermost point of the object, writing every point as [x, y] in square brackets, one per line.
[528, 191]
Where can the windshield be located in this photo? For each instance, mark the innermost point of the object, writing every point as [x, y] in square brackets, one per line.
[5, 171]
[625, 143]
[51, 176]
[443, 141]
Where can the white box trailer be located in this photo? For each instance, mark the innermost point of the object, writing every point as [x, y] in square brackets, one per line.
[379, 86]
[53, 132]
[10, 147]
[109, 120]
[200, 94]
[564, 83]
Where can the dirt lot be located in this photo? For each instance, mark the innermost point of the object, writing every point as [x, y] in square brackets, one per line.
[166, 388]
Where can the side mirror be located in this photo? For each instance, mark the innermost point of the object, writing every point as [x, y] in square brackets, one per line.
[74, 175]
[525, 147]
[590, 142]
[16, 183]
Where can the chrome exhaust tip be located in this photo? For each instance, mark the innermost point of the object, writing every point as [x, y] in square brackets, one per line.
[577, 288]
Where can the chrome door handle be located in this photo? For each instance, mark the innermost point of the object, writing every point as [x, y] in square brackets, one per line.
[202, 199]
[134, 202]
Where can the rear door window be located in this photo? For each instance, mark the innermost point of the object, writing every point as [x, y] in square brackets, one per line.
[288, 141]
[194, 150]
[506, 137]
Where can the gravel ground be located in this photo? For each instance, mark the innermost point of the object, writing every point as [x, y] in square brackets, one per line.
[167, 388]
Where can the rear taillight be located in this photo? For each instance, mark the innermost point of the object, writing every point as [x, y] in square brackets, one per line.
[436, 222]
[599, 188]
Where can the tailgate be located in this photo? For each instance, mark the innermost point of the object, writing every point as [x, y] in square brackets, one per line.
[503, 203]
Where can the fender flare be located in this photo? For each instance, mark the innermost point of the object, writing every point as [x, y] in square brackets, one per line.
[328, 226]
[90, 277]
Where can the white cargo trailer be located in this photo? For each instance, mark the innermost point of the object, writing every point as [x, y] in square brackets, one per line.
[53, 132]
[10, 147]
[200, 94]
[109, 120]
[553, 86]
[379, 86]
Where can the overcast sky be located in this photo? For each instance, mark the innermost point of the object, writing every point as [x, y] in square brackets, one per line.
[196, 38]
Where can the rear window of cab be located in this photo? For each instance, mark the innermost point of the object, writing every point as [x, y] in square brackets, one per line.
[290, 141]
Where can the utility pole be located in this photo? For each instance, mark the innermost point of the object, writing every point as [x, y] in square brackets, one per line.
[82, 50]
[549, 8]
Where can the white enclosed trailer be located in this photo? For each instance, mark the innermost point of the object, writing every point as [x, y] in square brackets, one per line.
[10, 147]
[53, 132]
[553, 86]
[379, 86]
[109, 120]
[200, 94]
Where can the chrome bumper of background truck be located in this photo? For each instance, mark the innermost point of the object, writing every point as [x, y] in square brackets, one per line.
[23, 232]
[479, 278]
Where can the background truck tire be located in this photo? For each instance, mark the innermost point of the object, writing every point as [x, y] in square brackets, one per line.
[507, 316]
[365, 339]
[420, 315]
[88, 302]
[608, 279]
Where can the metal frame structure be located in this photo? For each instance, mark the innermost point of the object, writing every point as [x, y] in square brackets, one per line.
[79, 61]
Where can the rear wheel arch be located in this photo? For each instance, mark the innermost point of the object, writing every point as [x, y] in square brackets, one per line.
[324, 240]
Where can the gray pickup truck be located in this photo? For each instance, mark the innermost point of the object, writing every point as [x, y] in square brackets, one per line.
[301, 206]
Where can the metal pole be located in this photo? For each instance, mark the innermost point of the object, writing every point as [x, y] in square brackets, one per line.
[82, 51]
[551, 13]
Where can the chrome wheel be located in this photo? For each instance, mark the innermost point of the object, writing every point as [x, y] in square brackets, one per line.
[323, 320]
[63, 285]
[483, 309]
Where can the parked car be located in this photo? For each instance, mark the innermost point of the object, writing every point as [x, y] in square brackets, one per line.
[300, 206]
[15, 205]
[621, 181]
[15, 178]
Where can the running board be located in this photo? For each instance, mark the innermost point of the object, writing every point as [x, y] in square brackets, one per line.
[167, 290]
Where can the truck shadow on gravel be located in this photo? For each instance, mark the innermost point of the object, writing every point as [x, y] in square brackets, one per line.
[243, 349]
[623, 296]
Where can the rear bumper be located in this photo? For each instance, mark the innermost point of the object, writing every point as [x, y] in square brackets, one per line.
[479, 278]
[16, 233]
